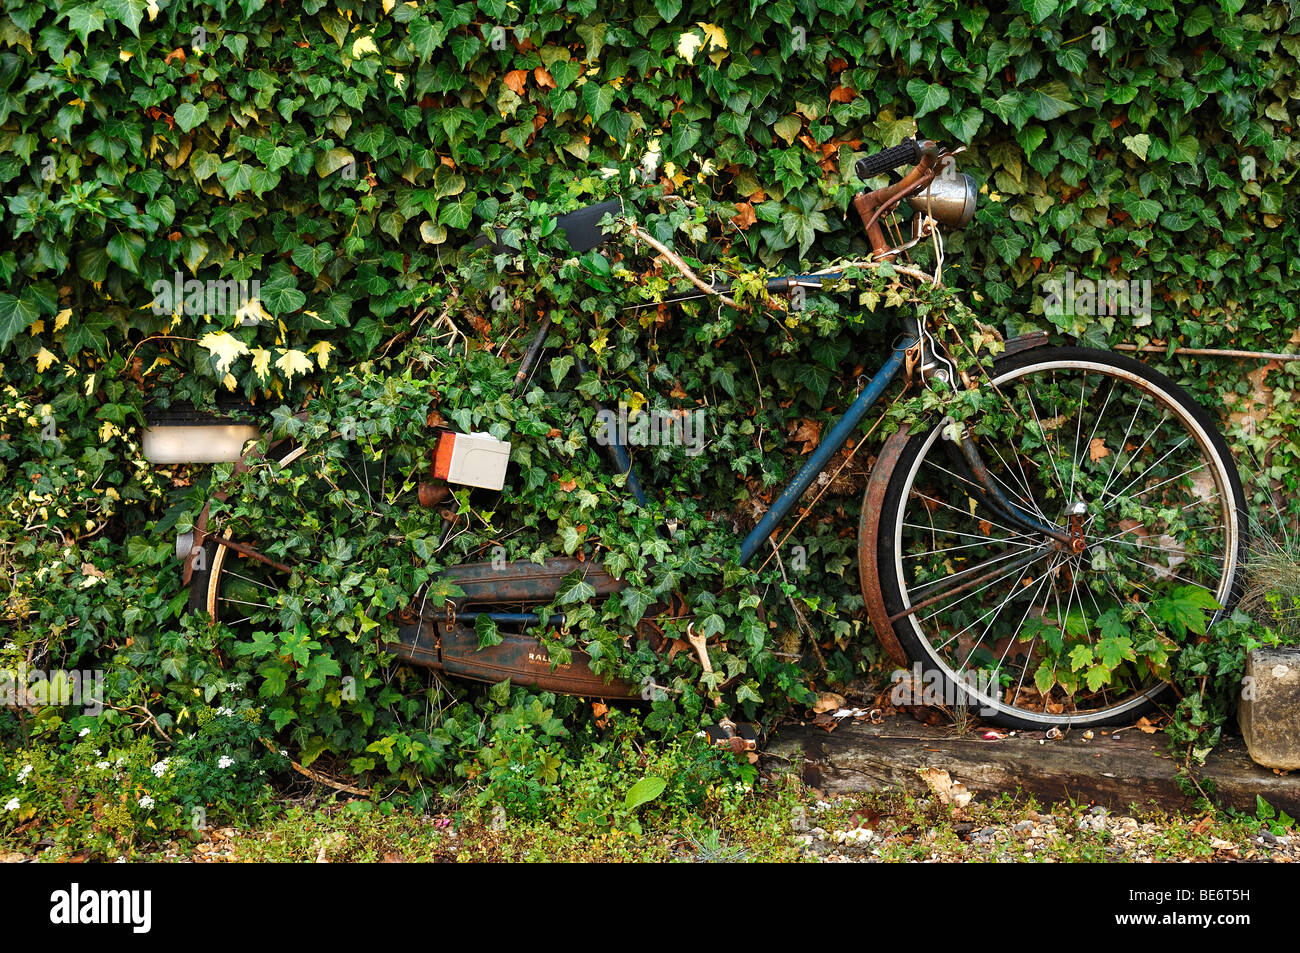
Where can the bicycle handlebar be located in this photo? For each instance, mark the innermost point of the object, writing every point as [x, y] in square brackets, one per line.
[907, 152]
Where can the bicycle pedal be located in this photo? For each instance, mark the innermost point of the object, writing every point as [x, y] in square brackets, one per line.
[735, 738]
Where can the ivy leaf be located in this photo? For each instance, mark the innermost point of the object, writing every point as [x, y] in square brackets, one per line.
[1138, 144]
[1040, 10]
[597, 98]
[458, 213]
[125, 248]
[190, 115]
[281, 296]
[488, 635]
[1198, 21]
[560, 367]
[574, 588]
[815, 377]
[128, 12]
[788, 127]
[293, 362]
[225, 347]
[1052, 100]
[965, 124]
[447, 182]
[332, 160]
[16, 316]
[1184, 149]
[85, 19]
[685, 136]
[927, 96]
[635, 601]
[311, 259]
[426, 36]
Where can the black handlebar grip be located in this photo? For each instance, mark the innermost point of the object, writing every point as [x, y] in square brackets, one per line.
[907, 152]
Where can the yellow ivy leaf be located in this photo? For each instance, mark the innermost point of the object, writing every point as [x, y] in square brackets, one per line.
[322, 351]
[293, 362]
[252, 312]
[229, 381]
[225, 347]
[362, 46]
[44, 358]
[687, 44]
[388, 5]
[433, 233]
[61, 319]
[153, 10]
[261, 363]
[716, 36]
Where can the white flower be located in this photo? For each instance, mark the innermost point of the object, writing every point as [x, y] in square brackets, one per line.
[226, 712]
[13, 804]
[160, 768]
[103, 765]
[83, 732]
[225, 761]
[22, 775]
[146, 802]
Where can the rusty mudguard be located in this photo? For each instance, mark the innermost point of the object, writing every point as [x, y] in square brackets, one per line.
[445, 638]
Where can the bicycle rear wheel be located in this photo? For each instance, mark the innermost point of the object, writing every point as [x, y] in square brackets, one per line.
[1027, 631]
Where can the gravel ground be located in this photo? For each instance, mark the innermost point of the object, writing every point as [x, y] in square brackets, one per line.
[983, 834]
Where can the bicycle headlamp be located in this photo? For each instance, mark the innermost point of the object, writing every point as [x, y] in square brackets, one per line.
[949, 199]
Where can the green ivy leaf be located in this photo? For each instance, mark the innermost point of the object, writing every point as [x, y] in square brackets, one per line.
[190, 115]
[16, 316]
[927, 96]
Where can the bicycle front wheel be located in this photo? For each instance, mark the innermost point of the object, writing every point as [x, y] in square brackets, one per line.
[1026, 630]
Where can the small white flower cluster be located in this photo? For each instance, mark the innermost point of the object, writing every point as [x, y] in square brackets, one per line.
[859, 835]
[225, 761]
[226, 712]
[146, 802]
[13, 804]
[103, 765]
[23, 774]
[83, 732]
[160, 768]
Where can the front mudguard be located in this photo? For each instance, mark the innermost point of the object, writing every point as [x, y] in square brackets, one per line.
[873, 504]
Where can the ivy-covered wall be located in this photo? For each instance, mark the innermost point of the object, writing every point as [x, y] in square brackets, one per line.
[250, 198]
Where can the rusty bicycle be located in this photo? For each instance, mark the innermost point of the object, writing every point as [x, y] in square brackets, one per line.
[1039, 560]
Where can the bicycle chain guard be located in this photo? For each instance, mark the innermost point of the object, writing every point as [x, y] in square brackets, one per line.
[444, 638]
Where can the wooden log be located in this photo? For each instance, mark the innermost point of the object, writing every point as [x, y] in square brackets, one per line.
[1115, 770]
